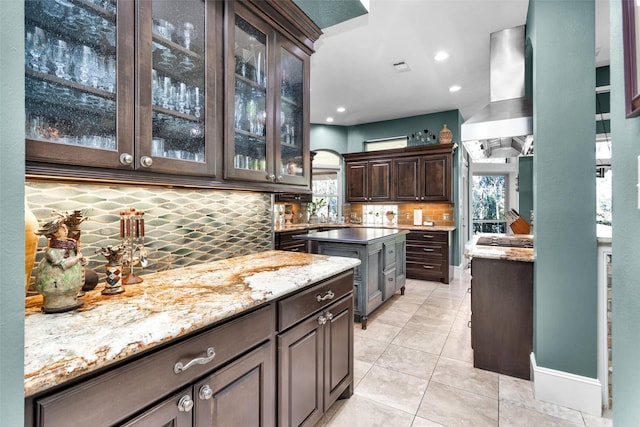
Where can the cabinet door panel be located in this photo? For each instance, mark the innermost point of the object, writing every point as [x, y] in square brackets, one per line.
[356, 181]
[300, 374]
[241, 394]
[436, 178]
[379, 181]
[79, 82]
[405, 179]
[338, 343]
[165, 414]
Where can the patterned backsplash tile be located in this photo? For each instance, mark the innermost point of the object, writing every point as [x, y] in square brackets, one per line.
[183, 226]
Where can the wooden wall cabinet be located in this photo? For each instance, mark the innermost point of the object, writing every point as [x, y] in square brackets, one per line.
[428, 255]
[502, 315]
[411, 174]
[368, 181]
[156, 91]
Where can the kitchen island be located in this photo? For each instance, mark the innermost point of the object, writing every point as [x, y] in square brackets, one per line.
[148, 351]
[382, 253]
[502, 303]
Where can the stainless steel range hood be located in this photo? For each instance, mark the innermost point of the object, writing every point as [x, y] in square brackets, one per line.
[503, 128]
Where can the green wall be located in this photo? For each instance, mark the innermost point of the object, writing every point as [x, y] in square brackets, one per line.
[626, 242]
[12, 213]
[562, 36]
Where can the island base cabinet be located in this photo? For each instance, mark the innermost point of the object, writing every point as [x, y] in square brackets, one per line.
[315, 364]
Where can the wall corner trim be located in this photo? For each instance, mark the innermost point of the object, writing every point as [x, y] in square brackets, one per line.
[565, 389]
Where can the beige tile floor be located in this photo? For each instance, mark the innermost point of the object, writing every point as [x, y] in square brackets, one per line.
[414, 368]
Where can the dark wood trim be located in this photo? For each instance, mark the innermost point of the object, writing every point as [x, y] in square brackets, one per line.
[630, 44]
[401, 152]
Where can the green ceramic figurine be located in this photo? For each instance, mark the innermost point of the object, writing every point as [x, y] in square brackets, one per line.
[60, 275]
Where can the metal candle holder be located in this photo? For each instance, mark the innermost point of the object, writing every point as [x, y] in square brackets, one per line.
[132, 236]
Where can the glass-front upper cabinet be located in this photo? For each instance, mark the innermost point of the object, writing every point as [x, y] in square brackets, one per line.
[74, 95]
[172, 86]
[122, 84]
[265, 139]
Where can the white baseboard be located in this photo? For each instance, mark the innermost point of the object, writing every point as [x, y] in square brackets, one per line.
[569, 390]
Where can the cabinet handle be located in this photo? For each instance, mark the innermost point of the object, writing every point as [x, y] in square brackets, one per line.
[469, 289]
[390, 279]
[428, 250]
[185, 403]
[205, 392]
[146, 161]
[271, 177]
[329, 316]
[428, 236]
[180, 367]
[322, 320]
[126, 159]
[328, 295]
[469, 324]
[429, 267]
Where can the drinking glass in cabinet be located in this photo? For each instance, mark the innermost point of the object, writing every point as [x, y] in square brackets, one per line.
[70, 73]
[177, 79]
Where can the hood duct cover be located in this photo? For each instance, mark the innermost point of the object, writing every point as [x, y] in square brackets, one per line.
[504, 127]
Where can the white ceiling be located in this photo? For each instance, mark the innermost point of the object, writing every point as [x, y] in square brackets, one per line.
[352, 66]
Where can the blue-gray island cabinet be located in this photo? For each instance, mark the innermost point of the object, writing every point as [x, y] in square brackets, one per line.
[382, 271]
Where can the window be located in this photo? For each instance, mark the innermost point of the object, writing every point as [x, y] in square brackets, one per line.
[326, 185]
[489, 200]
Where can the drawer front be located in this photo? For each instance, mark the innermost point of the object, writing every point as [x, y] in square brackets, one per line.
[428, 236]
[424, 269]
[138, 384]
[295, 308]
[389, 283]
[389, 254]
[425, 250]
[296, 246]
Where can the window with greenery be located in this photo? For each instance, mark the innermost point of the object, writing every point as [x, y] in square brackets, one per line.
[489, 200]
[325, 186]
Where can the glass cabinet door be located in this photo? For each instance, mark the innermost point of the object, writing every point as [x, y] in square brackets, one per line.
[251, 152]
[73, 95]
[172, 83]
[292, 161]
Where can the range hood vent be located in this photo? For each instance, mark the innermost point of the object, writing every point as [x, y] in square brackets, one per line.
[503, 128]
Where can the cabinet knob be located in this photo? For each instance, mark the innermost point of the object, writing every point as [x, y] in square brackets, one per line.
[271, 177]
[322, 320]
[146, 161]
[279, 178]
[205, 392]
[185, 404]
[329, 316]
[126, 159]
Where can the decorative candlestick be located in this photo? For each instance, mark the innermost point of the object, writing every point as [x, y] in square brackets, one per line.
[132, 236]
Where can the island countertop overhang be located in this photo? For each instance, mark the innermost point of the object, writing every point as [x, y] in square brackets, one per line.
[360, 236]
[168, 305]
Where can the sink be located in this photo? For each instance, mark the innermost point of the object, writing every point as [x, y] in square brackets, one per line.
[506, 241]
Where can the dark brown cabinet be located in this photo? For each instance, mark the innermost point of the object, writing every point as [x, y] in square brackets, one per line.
[267, 107]
[502, 315]
[284, 241]
[368, 181]
[412, 174]
[428, 255]
[315, 356]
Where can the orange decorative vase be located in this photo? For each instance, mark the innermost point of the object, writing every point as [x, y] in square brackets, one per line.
[445, 136]
[30, 244]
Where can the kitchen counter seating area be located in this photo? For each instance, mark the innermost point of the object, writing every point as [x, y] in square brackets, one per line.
[177, 326]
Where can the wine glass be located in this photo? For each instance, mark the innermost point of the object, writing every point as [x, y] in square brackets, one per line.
[38, 50]
[61, 57]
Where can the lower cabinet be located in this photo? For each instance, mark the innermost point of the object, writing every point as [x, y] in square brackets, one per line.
[225, 375]
[284, 241]
[428, 255]
[315, 356]
[240, 394]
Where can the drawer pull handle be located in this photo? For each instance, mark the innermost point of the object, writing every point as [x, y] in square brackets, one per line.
[185, 403]
[429, 267]
[390, 279]
[428, 236]
[328, 295]
[428, 250]
[180, 367]
[469, 324]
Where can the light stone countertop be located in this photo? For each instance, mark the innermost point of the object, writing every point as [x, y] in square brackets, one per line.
[166, 305]
[473, 250]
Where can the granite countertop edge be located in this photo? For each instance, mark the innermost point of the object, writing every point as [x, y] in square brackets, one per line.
[167, 305]
[295, 227]
[474, 250]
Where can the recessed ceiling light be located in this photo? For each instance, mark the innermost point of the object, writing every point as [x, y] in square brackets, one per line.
[454, 88]
[341, 109]
[441, 56]
[329, 120]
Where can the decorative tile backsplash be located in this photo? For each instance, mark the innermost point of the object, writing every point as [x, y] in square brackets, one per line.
[183, 226]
